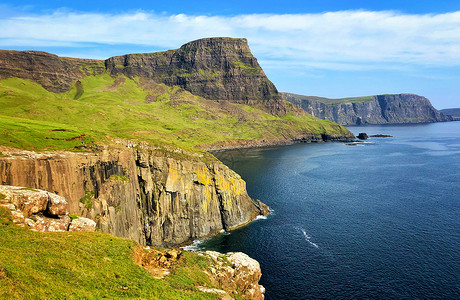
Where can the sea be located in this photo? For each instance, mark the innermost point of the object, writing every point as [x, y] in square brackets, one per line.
[372, 220]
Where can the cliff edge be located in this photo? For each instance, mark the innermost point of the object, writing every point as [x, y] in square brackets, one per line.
[138, 194]
[379, 109]
[213, 68]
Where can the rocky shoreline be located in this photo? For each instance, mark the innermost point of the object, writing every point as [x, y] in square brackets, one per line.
[260, 143]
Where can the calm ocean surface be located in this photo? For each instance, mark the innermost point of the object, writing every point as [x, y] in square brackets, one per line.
[379, 220]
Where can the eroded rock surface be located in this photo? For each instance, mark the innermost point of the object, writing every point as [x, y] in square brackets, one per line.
[40, 210]
[137, 193]
[383, 109]
[236, 273]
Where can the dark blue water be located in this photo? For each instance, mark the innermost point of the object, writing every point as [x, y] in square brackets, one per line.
[376, 221]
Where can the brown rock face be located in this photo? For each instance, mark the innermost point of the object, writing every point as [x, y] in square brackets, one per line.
[139, 193]
[383, 109]
[214, 68]
[56, 74]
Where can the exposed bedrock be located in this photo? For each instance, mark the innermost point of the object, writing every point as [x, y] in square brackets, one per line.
[138, 193]
[382, 109]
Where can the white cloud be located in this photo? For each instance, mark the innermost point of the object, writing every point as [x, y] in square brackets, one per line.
[331, 40]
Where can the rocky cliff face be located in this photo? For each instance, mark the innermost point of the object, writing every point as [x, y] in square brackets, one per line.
[214, 68]
[54, 73]
[383, 109]
[138, 193]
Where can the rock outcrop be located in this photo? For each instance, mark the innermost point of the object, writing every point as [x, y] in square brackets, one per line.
[381, 109]
[40, 210]
[138, 193]
[236, 273]
[362, 136]
[231, 274]
[214, 68]
[54, 73]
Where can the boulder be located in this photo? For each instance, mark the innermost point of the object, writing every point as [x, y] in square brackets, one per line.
[236, 273]
[57, 205]
[40, 210]
[362, 136]
[48, 224]
[82, 224]
[33, 201]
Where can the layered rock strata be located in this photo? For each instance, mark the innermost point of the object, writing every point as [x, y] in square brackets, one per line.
[138, 193]
[214, 68]
[383, 109]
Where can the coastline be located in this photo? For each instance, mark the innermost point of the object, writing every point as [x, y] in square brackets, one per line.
[261, 143]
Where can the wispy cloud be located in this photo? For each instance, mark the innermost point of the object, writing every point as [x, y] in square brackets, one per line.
[351, 40]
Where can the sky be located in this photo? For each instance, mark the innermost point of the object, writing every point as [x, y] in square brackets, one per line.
[323, 48]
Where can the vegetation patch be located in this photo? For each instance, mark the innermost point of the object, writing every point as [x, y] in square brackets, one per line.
[119, 178]
[90, 265]
[2, 196]
[5, 217]
[87, 200]
[166, 117]
[73, 216]
[28, 189]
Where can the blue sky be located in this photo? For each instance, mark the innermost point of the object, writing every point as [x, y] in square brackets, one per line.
[323, 48]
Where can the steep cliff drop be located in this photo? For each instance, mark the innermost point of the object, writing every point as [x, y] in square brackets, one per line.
[138, 193]
[380, 109]
[213, 68]
[209, 94]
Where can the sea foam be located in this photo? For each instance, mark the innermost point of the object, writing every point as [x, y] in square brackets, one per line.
[308, 238]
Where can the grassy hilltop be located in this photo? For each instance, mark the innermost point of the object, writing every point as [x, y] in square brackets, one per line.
[99, 107]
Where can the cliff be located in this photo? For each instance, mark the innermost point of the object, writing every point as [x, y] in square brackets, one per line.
[380, 109]
[186, 101]
[213, 68]
[454, 112]
[138, 193]
[54, 73]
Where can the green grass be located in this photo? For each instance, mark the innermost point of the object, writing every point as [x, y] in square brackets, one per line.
[106, 107]
[119, 178]
[89, 265]
[73, 216]
[87, 200]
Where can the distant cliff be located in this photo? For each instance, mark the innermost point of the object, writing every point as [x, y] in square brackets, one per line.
[454, 112]
[138, 193]
[380, 109]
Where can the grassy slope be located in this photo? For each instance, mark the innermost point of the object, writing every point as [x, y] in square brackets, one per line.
[331, 102]
[86, 265]
[30, 116]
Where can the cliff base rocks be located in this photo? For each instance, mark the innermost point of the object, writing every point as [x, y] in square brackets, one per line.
[40, 210]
